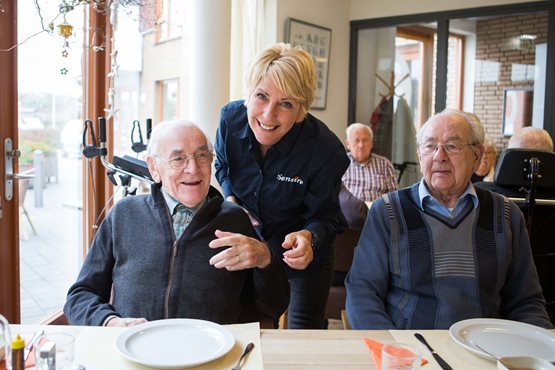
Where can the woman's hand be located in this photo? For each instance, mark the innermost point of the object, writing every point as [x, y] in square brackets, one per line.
[300, 252]
[244, 253]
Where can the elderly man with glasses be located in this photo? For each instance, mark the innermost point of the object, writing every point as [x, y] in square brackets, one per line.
[443, 251]
[179, 252]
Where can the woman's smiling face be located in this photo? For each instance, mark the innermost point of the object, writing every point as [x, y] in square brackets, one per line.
[271, 113]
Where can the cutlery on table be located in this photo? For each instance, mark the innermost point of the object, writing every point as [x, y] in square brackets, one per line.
[248, 348]
[444, 365]
[29, 347]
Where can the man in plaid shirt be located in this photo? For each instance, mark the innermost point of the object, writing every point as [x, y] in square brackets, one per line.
[369, 175]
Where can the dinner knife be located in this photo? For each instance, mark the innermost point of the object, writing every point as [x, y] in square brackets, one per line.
[444, 365]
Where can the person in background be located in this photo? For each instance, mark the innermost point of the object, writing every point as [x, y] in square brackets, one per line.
[442, 250]
[531, 138]
[284, 167]
[369, 175]
[179, 252]
[486, 169]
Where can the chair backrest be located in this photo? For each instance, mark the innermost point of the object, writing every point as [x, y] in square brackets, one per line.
[513, 168]
[345, 244]
[23, 186]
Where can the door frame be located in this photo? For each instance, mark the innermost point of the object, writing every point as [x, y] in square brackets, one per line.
[97, 189]
[442, 18]
[9, 225]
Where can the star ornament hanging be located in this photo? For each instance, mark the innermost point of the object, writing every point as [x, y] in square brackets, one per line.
[64, 71]
[64, 53]
[111, 112]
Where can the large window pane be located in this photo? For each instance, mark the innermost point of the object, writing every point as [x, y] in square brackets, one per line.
[504, 71]
[50, 124]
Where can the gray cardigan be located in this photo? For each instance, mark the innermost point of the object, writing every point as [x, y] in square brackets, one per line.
[136, 268]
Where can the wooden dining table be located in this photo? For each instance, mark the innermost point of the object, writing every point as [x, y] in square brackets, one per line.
[275, 349]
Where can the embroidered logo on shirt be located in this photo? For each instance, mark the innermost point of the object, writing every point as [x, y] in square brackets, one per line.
[295, 179]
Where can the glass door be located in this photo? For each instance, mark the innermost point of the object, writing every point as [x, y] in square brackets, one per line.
[50, 133]
[49, 127]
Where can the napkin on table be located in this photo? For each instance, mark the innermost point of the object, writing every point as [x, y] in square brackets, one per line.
[376, 350]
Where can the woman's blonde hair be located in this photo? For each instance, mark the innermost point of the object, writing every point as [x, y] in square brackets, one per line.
[291, 69]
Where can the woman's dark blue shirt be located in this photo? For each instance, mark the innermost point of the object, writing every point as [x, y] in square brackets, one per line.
[295, 187]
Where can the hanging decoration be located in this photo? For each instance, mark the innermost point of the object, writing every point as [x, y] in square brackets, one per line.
[111, 110]
[65, 30]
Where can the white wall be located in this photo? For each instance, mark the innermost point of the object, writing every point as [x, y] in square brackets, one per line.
[365, 9]
[332, 14]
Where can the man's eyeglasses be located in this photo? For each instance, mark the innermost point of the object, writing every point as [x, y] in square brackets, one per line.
[202, 159]
[449, 148]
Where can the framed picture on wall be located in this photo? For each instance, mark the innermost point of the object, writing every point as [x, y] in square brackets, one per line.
[517, 109]
[316, 40]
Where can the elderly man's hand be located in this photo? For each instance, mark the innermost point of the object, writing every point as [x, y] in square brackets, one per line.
[244, 253]
[300, 252]
[125, 321]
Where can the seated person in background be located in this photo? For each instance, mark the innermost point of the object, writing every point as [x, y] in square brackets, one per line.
[161, 255]
[442, 250]
[354, 209]
[486, 168]
[531, 138]
[369, 175]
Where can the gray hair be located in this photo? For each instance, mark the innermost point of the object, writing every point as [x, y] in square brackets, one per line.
[476, 130]
[166, 127]
[357, 125]
[531, 138]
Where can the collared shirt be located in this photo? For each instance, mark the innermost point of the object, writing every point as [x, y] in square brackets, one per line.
[295, 186]
[173, 205]
[429, 202]
[369, 180]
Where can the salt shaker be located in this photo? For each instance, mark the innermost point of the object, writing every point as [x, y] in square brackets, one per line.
[46, 360]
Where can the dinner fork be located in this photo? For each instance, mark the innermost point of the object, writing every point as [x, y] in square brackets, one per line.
[248, 348]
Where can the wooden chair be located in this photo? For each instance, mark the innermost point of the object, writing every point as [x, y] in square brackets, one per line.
[23, 186]
[345, 245]
[57, 318]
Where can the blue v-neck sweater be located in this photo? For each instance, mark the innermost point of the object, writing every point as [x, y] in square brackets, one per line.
[415, 269]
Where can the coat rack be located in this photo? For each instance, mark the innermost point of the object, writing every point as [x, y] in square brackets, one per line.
[391, 86]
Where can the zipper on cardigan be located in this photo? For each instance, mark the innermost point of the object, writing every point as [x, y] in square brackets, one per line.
[170, 279]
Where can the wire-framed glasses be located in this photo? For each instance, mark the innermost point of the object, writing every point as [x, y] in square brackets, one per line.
[452, 147]
[202, 159]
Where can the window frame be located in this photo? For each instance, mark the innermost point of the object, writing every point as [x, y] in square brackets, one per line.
[442, 19]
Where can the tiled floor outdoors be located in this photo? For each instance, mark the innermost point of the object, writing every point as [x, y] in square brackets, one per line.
[49, 260]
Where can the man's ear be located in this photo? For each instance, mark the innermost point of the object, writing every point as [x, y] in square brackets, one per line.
[347, 145]
[152, 169]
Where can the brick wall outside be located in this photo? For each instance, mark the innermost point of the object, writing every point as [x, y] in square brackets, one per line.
[498, 56]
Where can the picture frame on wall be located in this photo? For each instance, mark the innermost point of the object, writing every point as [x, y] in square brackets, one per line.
[517, 109]
[316, 40]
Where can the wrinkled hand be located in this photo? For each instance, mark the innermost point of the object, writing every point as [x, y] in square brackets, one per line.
[125, 321]
[244, 253]
[300, 252]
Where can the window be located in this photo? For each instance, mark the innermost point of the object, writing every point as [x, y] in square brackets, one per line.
[477, 55]
[167, 97]
[170, 15]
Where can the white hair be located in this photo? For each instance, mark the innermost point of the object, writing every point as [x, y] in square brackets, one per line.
[164, 128]
[358, 125]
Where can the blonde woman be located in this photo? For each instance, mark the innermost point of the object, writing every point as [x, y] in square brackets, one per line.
[284, 167]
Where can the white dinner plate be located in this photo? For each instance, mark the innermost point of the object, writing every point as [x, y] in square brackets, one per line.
[175, 343]
[503, 338]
